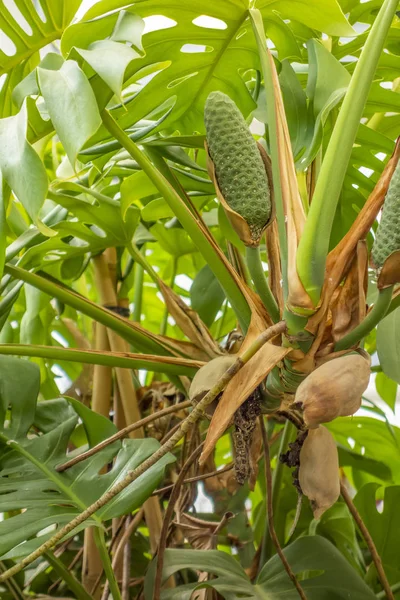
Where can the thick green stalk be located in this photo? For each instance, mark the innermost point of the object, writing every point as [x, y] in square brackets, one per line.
[253, 259]
[138, 292]
[81, 304]
[100, 541]
[314, 243]
[169, 365]
[62, 571]
[258, 28]
[164, 322]
[395, 303]
[379, 310]
[186, 218]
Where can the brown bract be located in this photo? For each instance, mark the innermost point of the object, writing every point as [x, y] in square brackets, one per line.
[390, 272]
[334, 389]
[248, 236]
[207, 377]
[319, 470]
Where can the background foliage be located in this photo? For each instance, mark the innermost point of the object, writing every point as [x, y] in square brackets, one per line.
[74, 202]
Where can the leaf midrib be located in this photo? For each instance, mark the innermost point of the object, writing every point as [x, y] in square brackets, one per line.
[52, 476]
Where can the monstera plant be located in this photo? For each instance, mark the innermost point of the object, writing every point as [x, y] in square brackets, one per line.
[200, 299]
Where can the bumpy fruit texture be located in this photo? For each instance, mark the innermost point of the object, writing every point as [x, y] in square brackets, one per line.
[387, 238]
[239, 168]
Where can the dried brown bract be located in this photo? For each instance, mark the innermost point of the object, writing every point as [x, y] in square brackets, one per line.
[207, 377]
[334, 389]
[319, 470]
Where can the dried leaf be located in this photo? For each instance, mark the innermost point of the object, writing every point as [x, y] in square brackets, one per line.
[207, 377]
[390, 272]
[189, 321]
[292, 204]
[334, 389]
[319, 470]
[242, 385]
[350, 307]
[339, 259]
[274, 263]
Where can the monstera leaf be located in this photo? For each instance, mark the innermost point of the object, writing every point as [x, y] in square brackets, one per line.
[34, 438]
[332, 575]
[220, 55]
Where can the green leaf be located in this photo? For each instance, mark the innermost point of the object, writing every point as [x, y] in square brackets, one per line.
[21, 167]
[206, 295]
[46, 496]
[373, 440]
[109, 59]
[335, 578]
[314, 243]
[41, 27]
[29, 85]
[387, 389]
[388, 345]
[71, 104]
[175, 241]
[327, 17]
[383, 525]
[337, 525]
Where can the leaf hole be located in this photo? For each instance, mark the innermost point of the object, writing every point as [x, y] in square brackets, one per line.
[75, 242]
[18, 16]
[96, 230]
[241, 34]
[39, 10]
[157, 22]
[7, 45]
[209, 22]
[195, 48]
[180, 80]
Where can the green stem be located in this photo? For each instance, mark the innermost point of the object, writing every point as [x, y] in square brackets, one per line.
[377, 313]
[253, 259]
[138, 292]
[288, 434]
[99, 539]
[395, 303]
[62, 571]
[395, 588]
[168, 365]
[127, 330]
[314, 243]
[221, 321]
[141, 260]
[187, 219]
[164, 322]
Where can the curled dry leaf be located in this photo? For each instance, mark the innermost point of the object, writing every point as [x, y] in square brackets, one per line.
[319, 470]
[239, 389]
[207, 377]
[339, 259]
[389, 274]
[189, 321]
[349, 309]
[334, 389]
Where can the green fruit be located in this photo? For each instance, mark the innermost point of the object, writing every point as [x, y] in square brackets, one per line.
[239, 168]
[387, 238]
